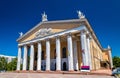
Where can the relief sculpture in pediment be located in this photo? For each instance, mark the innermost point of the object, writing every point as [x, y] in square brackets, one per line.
[43, 32]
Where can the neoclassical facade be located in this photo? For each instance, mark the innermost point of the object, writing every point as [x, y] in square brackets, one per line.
[63, 45]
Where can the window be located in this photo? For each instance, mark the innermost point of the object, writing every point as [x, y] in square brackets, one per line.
[42, 54]
[64, 52]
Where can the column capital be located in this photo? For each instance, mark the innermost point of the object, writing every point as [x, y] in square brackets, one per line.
[84, 31]
[25, 45]
[89, 36]
[47, 39]
[57, 37]
[69, 34]
[39, 41]
[32, 43]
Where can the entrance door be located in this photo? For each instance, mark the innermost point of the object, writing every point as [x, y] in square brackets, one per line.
[55, 66]
[64, 66]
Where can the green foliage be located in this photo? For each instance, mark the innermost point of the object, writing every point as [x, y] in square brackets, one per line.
[116, 61]
[8, 66]
[12, 65]
[3, 63]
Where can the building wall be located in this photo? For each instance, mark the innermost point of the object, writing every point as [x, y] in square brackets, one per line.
[96, 55]
[105, 56]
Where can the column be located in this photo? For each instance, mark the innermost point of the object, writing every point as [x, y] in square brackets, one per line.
[19, 58]
[39, 57]
[47, 55]
[31, 57]
[70, 52]
[58, 58]
[75, 55]
[84, 48]
[89, 54]
[25, 58]
[110, 57]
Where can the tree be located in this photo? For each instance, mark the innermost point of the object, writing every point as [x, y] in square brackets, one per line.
[116, 61]
[12, 65]
[3, 63]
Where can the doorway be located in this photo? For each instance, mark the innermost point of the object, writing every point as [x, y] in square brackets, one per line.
[64, 66]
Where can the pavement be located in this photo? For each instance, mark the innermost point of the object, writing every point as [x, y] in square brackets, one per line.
[48, 75]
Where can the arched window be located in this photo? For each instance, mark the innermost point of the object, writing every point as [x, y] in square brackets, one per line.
[42, 54]
[64, 52]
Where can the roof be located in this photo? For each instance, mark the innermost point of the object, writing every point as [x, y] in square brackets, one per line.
[50, 22]
[83, 21]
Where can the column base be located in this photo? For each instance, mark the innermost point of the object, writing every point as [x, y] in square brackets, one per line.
[58, 70]
[47, 71]
[24, 71]
[31, 71]
[17, 71]
[71, 70]
[39, 71]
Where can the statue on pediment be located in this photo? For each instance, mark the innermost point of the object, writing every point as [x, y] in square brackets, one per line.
[21, 34]
[44, 31]
[44, 17]
[80, 14]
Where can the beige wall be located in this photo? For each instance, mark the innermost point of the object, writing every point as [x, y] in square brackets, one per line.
[105, 56]
[96, 55]
[79, 54]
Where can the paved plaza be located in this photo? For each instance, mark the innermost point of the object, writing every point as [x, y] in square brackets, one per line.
[45, 75]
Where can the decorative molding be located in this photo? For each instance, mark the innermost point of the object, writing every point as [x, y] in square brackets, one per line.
[54, 34]
[51, 22]
[43, 32]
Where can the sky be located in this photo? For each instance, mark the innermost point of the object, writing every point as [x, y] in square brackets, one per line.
[22, 15]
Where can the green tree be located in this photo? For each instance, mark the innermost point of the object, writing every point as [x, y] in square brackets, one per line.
[116, 61]
[11, 66]
[3, 63]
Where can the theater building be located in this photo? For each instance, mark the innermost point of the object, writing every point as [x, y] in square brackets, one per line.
[61, 45]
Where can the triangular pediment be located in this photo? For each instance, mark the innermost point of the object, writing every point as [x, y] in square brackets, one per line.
[49, 27]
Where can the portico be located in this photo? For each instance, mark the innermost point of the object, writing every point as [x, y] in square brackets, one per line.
[57, 39]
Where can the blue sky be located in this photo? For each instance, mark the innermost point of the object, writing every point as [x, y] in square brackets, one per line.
[21, 15]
